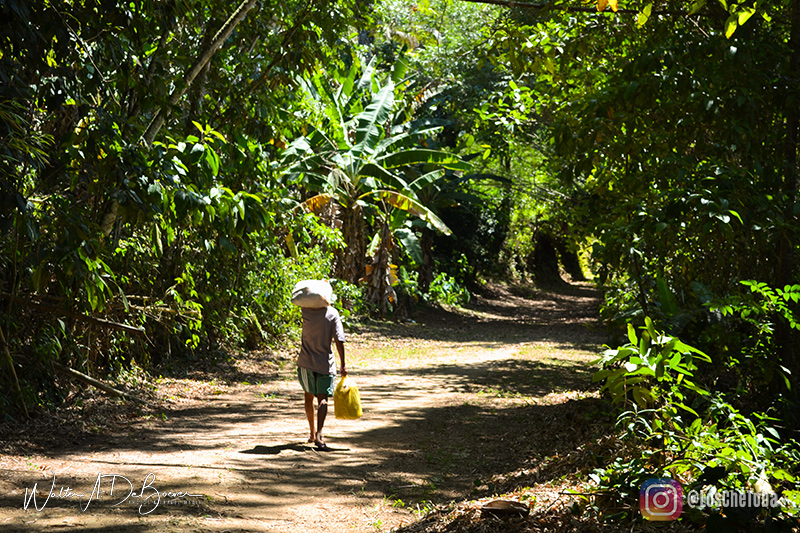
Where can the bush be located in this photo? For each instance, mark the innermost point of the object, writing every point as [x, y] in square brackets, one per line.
[678, 429]
[445, 289]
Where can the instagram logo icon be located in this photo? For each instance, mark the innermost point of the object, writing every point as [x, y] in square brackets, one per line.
[661, 499]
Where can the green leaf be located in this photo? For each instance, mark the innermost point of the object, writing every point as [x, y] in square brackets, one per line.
[648, 324]
[744, 14]
[212, 159]
[377, 112]
[697, 6]
[158, 245]
[612, 356]
[399, 69]
[602, 374]
[401, 201]
[91, 294]
[125, 303]
[644, 345]
[730, 25]
[683, 348]
[425, 180]
[347, 83]
[691, 386]
[410, 244]
[643, 371]
[423, 157]
[669, 305]
[41, 277]
[641, 17]
[632, 334]
[291, 245]
[686, 408]
[406, 140]
[785, 373]
[366, 76]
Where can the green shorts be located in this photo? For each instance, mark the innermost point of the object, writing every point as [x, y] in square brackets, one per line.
[314, 383]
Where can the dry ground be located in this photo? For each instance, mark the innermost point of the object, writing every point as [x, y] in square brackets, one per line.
[458, 405]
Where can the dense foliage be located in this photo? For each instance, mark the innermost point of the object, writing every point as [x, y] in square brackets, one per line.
[124, 243]
[662, 137]
[170, 170]
[674, 135]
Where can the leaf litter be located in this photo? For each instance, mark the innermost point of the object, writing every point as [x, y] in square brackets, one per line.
[520, 419]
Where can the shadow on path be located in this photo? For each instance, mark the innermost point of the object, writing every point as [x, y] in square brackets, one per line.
[432, 430]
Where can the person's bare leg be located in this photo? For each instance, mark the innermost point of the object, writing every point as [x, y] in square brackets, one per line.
[309, 406]
[322, 412]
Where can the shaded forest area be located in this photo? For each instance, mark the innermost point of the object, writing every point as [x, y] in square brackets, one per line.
[171, 169]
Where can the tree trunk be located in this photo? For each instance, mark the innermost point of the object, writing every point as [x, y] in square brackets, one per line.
[13, 372]
[570, 261]
[543, 263]
[427, 268]
[161, 116]
[351, 267]
[379, 280]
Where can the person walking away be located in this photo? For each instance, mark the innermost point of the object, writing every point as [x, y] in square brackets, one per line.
[316, 364]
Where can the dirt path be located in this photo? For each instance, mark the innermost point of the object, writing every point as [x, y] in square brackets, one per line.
[453, 406]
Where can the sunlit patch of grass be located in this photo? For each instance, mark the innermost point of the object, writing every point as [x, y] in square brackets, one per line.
[491, 392]
[559, 397]
[387, 354]
[556, 354]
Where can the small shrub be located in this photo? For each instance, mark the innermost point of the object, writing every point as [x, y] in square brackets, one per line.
[445, 289]
[678, 429]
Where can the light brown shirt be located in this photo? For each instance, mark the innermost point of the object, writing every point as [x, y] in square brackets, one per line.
[320, 326]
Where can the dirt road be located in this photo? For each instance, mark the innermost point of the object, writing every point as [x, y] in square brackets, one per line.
[454, 404]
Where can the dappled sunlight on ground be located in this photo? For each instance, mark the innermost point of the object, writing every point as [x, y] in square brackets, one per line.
[458, 405]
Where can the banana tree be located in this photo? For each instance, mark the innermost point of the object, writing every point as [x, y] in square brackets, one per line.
[364, 157]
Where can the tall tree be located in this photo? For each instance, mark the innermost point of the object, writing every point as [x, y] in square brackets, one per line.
[365, 155]
[99, 233]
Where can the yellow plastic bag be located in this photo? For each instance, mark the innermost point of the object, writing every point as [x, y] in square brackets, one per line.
[346, 400]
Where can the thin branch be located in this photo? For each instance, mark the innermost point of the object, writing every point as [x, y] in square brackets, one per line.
[10, 363]
[137, 330]
[88, 55]
[279, 54]
[80, 376]
[161, 116]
